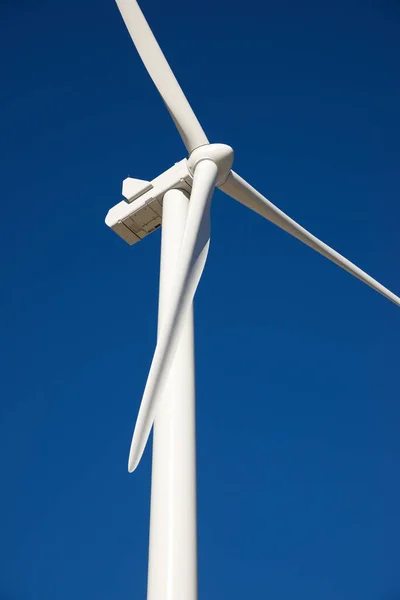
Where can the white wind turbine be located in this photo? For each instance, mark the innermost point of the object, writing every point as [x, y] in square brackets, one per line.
[180, 198]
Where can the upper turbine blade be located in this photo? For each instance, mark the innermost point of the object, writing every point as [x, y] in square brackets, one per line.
[240, 190]
[159, 70]
[191, 261]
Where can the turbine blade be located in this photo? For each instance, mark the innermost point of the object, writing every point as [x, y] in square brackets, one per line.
[159, 70]
[190, 266]
[240, 190]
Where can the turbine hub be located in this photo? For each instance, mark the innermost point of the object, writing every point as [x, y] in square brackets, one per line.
[220, 154]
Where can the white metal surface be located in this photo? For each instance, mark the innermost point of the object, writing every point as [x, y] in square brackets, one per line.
[159, 70]
[190, 266]
[240, 190]
[135, 218]
[220, 154]
[173, 534]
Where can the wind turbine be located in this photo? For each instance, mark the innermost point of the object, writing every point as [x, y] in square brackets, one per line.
[180, 199]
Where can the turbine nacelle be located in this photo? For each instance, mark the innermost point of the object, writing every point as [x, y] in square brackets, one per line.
[141, 211]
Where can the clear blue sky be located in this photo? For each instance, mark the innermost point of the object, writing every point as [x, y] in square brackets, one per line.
[297, 362]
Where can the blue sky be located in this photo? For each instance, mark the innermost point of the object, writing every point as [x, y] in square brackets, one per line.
[297, 362]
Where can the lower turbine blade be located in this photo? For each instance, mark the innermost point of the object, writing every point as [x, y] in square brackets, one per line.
[240, 190]
[159, 70]
[192, 258]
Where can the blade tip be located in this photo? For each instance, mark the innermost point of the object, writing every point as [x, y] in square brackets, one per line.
[131, 466]
[133, 461]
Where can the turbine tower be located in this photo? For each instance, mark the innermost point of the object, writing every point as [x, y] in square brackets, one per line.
[180, 199]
